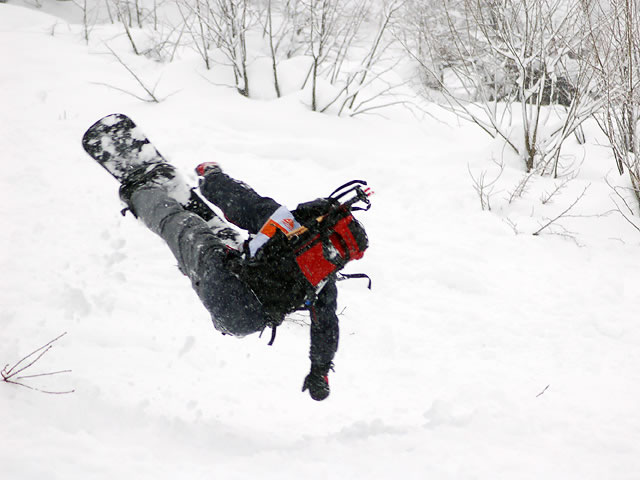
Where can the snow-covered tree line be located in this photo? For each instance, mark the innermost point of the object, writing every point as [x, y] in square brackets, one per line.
[527, 71]
[344, 45]
[543, 65]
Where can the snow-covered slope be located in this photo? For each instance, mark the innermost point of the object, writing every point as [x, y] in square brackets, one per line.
[479, 353]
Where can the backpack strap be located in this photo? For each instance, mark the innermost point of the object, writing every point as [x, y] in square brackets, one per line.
[273, 326]
[350, 276]
[361, 195]
[273, 334]
[343, 187]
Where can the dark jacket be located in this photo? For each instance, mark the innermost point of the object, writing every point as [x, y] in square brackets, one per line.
[268, 276]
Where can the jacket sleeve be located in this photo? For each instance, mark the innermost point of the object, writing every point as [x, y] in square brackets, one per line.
[324, 326]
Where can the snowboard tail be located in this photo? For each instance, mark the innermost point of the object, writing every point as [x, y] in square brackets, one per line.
[120, 147]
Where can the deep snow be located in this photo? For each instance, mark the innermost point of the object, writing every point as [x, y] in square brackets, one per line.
[479, 354]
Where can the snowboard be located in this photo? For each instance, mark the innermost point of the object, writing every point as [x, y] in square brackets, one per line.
[120, 147]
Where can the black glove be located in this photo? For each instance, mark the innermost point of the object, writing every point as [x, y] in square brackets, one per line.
[307, 212]
[317, 382]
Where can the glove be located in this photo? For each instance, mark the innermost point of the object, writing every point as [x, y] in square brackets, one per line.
[206, 168]
[317, 382]
[309, 211]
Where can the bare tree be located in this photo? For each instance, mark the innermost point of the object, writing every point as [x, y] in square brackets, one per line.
[355, 62]
[123, 9]
[345, 57]
[284, 25]
[82, 5]
[195, 25]
[322, 23]
[365, 74]
[488, 56]
[224, 24]
[272, 48]
[614, 30]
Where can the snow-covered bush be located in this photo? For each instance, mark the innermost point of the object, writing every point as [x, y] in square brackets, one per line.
[496, 54]
[614, 33]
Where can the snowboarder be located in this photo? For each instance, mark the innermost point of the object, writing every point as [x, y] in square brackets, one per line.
[212, 267]
[289, 263]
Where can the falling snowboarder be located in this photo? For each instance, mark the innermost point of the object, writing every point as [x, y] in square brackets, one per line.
[290, 262]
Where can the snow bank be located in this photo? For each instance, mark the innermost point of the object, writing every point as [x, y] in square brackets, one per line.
[480, 353]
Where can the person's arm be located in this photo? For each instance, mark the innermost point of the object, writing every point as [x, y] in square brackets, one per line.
[240, 203]
[324, 342]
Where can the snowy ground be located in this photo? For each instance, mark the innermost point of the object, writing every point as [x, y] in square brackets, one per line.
[479, 354]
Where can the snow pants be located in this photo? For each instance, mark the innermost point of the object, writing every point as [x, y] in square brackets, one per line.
[202, 255]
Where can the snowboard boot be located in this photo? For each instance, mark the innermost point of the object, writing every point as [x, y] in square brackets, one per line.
[146, 175]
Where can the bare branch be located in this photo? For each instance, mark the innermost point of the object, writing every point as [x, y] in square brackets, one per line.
[546, 197]
[483, 187]
[150, 92]
[544, 390]
[521, 187]
[563, 213]
[10, 374]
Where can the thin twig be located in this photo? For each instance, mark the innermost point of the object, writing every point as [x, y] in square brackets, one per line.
[558, 187]
[545, 389]
[39, 389]
[564, 212]
[43, 374]
[123, 91]
[47, 346]
[624, 200]
[512, 224]
[521, 188]
[483, 188]
[8, 373]
[140, 82]
[618, 209]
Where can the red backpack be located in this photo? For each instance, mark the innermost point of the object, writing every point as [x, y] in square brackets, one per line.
[289, 271]
[325, 244]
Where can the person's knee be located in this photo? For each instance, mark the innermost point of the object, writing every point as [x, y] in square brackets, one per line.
[237, 315]
[235, 326]
[233, 306]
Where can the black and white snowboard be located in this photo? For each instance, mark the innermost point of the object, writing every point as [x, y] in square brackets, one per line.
[119, 146]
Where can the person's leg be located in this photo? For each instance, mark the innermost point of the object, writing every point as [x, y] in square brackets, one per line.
[241, 205]
[202, 256]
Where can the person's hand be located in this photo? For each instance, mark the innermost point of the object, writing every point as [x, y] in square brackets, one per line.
[317, 382]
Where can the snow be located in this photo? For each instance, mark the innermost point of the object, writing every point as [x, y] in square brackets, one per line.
[482, 352]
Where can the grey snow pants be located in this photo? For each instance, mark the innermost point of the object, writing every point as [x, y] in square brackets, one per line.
[203, 257]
